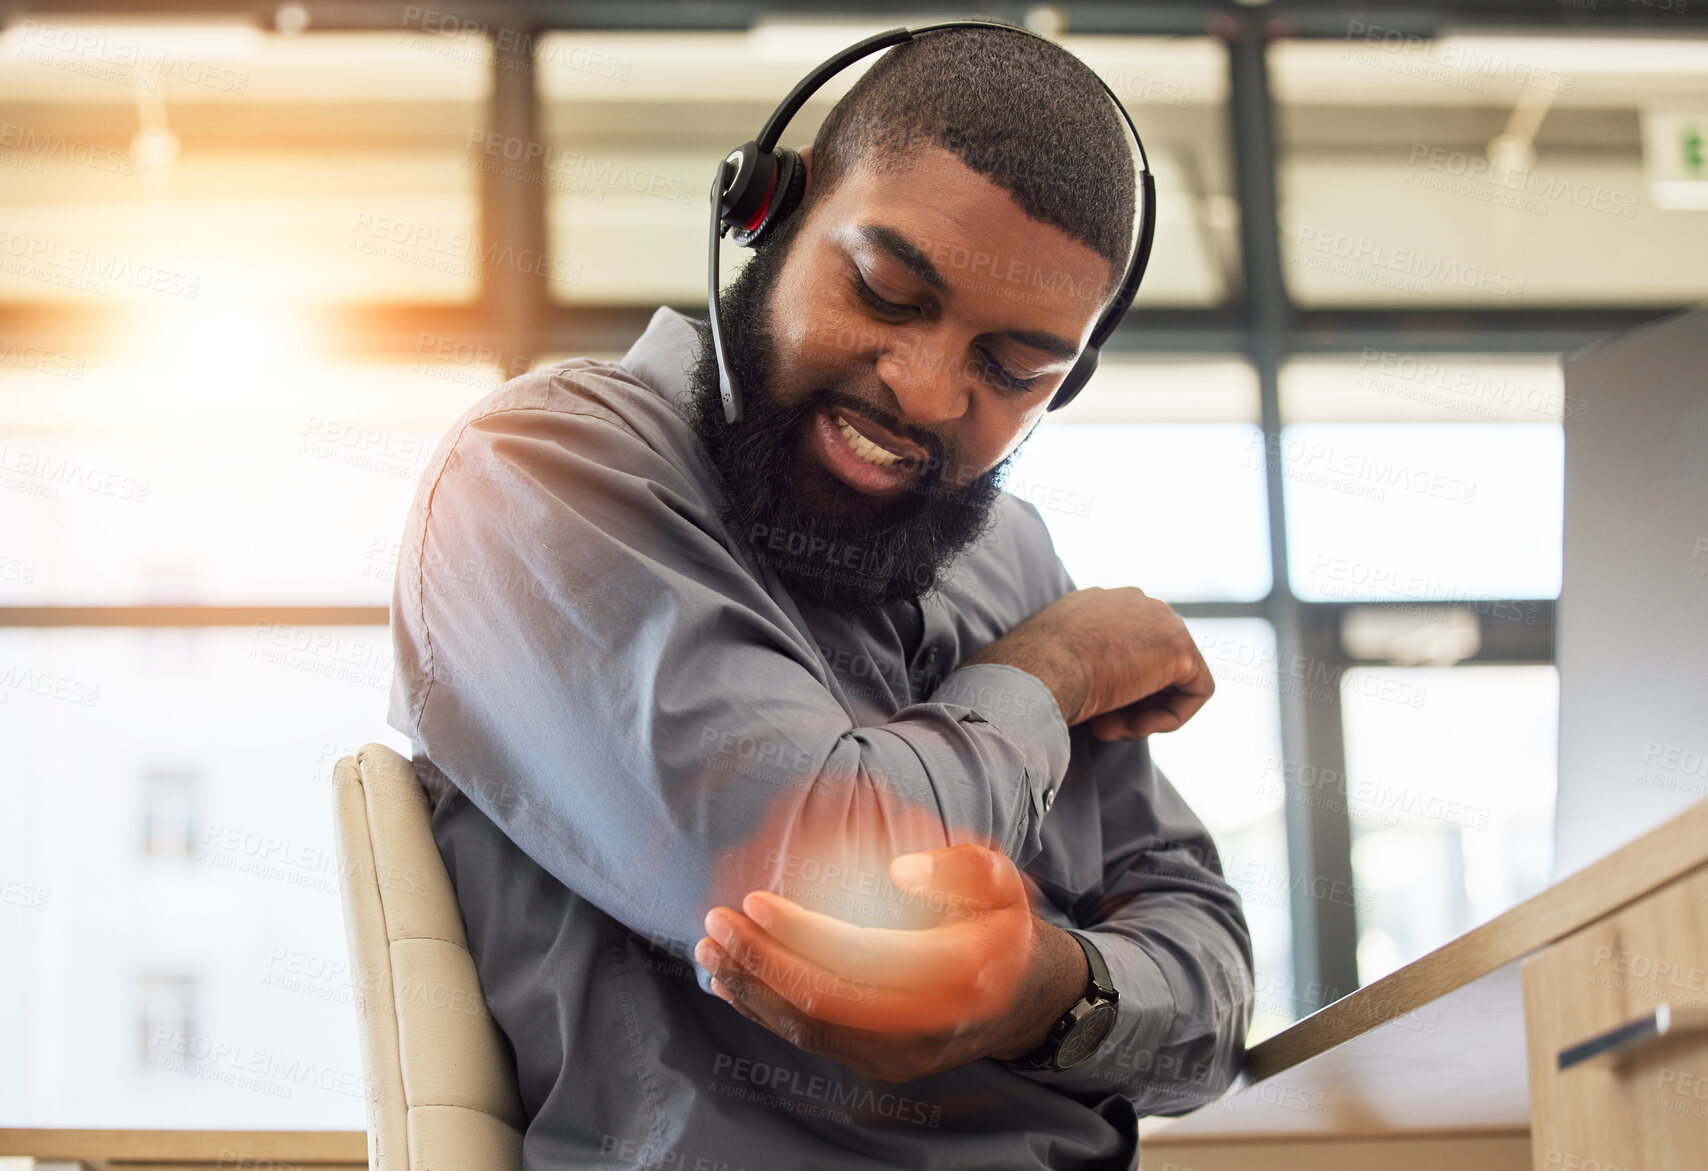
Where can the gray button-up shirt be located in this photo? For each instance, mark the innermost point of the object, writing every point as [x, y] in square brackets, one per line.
[612, 702]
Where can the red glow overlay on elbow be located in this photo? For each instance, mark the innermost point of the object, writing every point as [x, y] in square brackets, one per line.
[948, 956]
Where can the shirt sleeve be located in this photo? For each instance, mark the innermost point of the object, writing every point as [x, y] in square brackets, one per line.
[1172, 931]
[580, 652]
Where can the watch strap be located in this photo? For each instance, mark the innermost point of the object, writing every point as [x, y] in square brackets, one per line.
[1100, 981]
[1099, 989]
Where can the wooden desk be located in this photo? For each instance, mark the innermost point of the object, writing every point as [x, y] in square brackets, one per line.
[179, 1150]
[1432, 1058]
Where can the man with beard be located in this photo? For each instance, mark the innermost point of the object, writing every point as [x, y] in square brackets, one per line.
[799, 809]
[849, 549]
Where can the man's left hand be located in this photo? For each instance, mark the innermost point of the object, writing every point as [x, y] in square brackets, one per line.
[987, 981]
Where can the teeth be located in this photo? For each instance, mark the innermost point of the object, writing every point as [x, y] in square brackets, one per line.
[865, 448]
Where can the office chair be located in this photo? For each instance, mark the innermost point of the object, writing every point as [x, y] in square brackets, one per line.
[441, 1083]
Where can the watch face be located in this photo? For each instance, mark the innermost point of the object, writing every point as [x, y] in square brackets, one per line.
[1086, 1035]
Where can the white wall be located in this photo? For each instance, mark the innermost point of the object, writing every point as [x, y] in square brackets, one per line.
[1632, 634]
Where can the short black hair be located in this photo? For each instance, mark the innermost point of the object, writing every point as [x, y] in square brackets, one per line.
[1020, 110]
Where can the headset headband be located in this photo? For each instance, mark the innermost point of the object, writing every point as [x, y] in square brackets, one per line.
[756, 186]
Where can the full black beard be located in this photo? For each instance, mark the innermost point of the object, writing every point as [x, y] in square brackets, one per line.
[828, 542]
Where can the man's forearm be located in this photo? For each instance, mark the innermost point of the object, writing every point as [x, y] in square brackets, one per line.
[1044, 658]
[1116, 657]
[1060, 976]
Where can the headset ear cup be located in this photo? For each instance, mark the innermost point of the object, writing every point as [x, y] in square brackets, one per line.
[786, 193]
[793, 182]
[1077, 378]
[747, 175]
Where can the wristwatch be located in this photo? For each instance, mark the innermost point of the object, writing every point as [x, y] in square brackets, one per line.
[1081, 1029]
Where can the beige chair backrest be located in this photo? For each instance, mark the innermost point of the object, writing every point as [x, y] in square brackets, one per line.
[441, 1089]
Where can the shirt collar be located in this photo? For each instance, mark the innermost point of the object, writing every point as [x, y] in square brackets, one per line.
[664, 355]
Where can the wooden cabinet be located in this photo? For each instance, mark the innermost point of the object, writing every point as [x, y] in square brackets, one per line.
[1617, 1033]
[1462, 1045]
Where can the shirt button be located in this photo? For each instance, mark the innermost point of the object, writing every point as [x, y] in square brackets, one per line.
[1049, 799]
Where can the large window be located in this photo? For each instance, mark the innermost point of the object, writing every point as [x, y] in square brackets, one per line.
[1413, 477]
[153, 480]
[167, 164]
[1494, 171]
[194, 974]
[1450, 786]
[1148, 478]
[250, 275]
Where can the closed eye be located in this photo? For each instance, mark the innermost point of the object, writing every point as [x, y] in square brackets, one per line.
[993, 369]
[871, 298]
[1003, 378]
